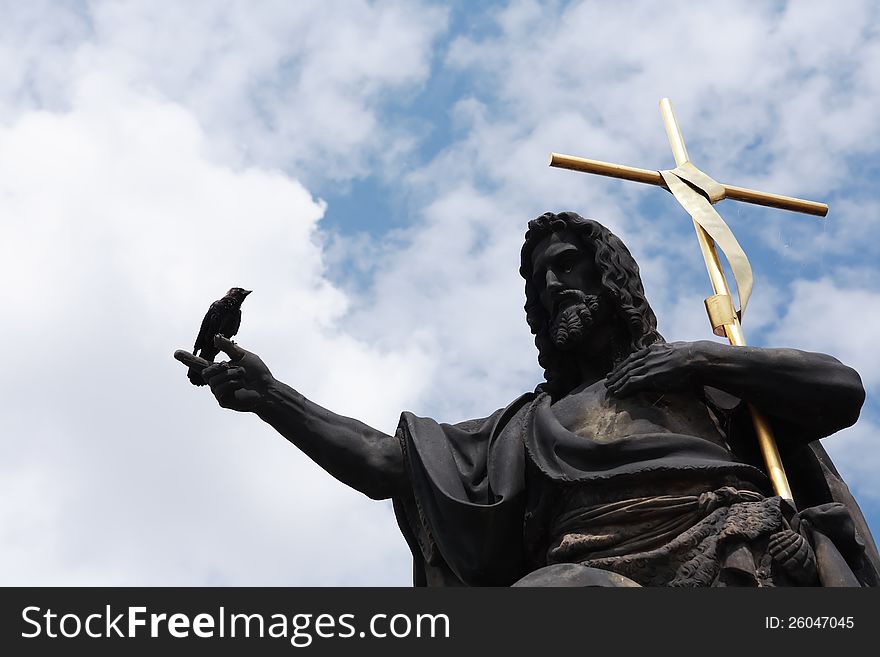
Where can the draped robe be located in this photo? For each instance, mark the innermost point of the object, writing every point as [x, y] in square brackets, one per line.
[489, 497]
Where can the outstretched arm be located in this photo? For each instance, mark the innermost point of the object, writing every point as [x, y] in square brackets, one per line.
[356, 454]
[815, 392]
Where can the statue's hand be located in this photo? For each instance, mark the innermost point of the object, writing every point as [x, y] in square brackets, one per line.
[665, 366]
[241, 383]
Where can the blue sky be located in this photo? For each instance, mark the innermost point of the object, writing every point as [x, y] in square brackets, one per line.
[368, 169]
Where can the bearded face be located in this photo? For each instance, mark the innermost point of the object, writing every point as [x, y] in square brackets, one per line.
[574, 315]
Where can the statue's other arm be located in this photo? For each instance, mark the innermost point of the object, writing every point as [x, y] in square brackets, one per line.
[812, 391]
[356, 454]
[815, 392]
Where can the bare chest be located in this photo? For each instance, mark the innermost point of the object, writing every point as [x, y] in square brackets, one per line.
[595, 414]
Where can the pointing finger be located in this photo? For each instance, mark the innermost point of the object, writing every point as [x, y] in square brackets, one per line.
[228, 347]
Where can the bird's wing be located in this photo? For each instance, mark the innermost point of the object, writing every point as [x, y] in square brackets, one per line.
[209, 328]
[231, 323]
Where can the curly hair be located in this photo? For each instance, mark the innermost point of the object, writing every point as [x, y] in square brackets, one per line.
[637, 324]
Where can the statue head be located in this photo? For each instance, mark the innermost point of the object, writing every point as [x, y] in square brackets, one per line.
[583, 294]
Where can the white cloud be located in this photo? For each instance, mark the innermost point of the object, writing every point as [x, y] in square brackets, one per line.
[119, 229]
[297, 85]
[754, 79]
[844, 321]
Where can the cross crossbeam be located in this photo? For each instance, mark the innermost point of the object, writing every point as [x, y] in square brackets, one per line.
[651, 177]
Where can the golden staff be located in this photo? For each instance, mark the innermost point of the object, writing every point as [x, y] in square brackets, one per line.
[719, 307]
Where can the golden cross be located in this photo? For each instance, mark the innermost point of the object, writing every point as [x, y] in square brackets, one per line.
[724, 320]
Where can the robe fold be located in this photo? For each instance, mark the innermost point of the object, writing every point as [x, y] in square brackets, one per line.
[484, 499]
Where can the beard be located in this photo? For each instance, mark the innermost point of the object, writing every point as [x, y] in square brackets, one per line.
[575, 314]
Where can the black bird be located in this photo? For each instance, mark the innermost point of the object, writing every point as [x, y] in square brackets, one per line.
[223, 317]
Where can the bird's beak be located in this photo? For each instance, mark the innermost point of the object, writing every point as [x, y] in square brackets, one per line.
[247, 292]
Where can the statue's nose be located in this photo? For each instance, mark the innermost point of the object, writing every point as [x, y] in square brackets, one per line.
[551, 282]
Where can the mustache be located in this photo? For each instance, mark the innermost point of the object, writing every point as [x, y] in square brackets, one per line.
[572, 296]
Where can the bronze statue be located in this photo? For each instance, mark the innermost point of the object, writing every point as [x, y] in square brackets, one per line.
[633, 464]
